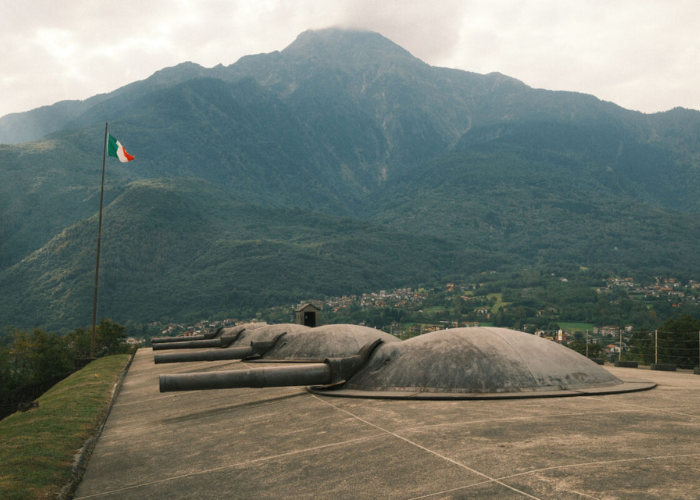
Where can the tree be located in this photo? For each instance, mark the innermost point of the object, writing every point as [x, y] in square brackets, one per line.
[678, 341]
[457, 305]
[6, 373]
[110, 338]
[34, 357]
[579, 346]
[641, 347]
[51, 357]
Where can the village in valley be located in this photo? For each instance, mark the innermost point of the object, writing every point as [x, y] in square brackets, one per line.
[407, 312]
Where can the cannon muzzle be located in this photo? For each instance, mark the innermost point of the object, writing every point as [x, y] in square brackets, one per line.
[254, 350]
[332, 372]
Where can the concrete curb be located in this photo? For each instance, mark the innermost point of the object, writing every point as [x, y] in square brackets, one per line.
[83, 455]
[664, 367]
[627, 364]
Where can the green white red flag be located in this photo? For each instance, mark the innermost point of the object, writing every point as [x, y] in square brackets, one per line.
[115, 148]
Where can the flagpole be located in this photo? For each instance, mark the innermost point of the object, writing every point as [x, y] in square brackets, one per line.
[99, 238]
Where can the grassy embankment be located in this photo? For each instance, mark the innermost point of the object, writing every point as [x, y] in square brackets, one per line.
[39, 446]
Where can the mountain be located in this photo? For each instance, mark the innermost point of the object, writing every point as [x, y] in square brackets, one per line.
[34, 124]
[542, 208]
[401, 171]
[168, 248]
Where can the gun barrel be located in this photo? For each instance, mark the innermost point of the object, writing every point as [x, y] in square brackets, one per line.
[205, 336]
[208, 355]
[163, 340]
[278, 376]
[192, 344]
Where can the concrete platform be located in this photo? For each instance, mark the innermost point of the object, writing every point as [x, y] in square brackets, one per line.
[289, 443]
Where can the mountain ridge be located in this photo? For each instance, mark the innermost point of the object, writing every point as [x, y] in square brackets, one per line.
[188, 69]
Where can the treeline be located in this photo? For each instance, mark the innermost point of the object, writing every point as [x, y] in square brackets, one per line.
[538, 299]
[528, 300]
[33, 357]
[677, 341]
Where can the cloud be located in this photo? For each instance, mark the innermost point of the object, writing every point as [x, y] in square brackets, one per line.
[636, 54]
[429, 30]
[640, 54]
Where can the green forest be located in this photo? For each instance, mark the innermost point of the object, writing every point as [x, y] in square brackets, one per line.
[34, 357]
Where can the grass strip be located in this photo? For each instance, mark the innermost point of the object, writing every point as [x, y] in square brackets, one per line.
[576, 327]
[39, 446]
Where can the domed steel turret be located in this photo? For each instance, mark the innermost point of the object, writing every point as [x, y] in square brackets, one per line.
[238, 343]
[479, 363]
[464, 363]
[223, 337]
[333, 345]
[205, 336]
[329, 341]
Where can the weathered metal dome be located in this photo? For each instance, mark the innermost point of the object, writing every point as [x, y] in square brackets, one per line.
[329, 341]
[478, 363]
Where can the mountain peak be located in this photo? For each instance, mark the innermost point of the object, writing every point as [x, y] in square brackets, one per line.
[347, 46]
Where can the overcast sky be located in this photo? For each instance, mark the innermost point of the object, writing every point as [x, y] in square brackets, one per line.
[641, 54]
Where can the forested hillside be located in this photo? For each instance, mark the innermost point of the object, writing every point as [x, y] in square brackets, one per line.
[187, 249]
[339, 164]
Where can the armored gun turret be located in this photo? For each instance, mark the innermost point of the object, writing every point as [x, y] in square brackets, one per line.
[239, 343]
[223, 337]
[327, 372]
[463, 363]
[287, 343]
[321, 355]
[204, 336]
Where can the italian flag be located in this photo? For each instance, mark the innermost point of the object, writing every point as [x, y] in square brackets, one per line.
[115, 148]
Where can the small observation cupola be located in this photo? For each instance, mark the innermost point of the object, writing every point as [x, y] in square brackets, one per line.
[308, 315]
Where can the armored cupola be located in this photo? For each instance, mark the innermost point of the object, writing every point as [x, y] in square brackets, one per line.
[329, 354]
[479, 363]
[464, 363]
[252, 339]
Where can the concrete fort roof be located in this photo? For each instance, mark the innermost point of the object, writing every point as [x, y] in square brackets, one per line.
[289, 443]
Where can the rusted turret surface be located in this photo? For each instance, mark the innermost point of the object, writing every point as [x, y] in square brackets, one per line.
[240, 344]
[222, 338]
